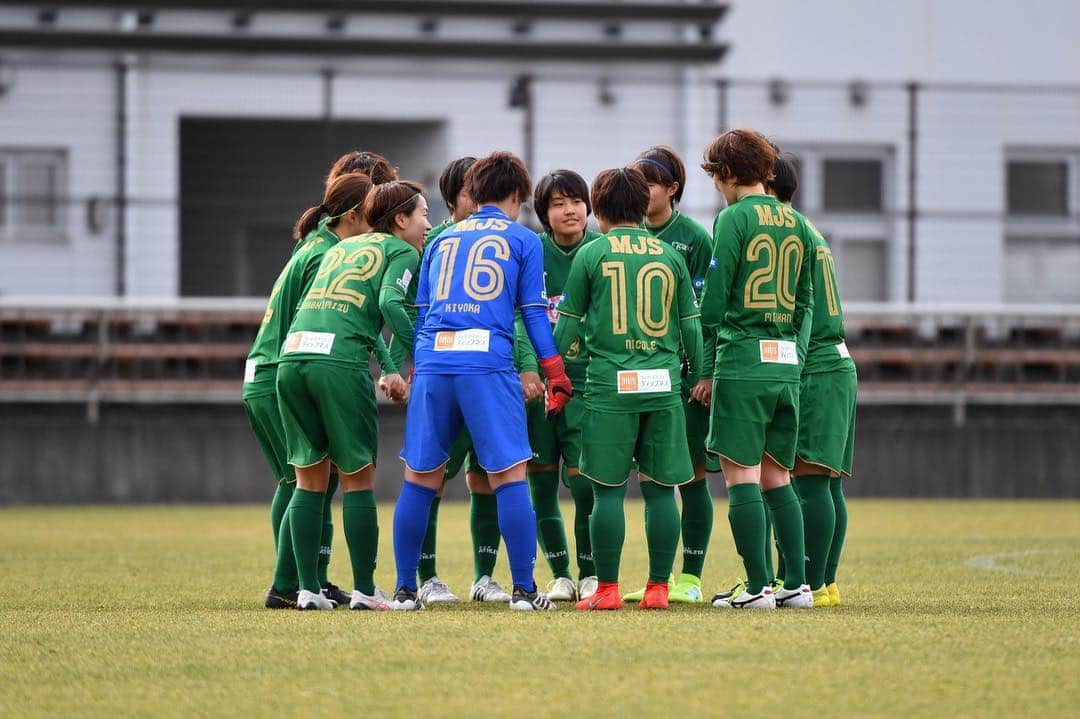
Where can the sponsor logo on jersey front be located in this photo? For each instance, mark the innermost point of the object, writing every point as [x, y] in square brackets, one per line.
[249, 370]
[778, 352]
[318, 343]
[644, 380]
[462, 341]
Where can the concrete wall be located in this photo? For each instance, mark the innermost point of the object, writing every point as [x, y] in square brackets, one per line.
[189, 453]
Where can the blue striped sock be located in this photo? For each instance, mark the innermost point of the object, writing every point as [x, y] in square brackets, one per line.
[410, 526]
[517, 524]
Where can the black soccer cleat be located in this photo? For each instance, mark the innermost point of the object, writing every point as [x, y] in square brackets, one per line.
[333, 592]
[280, 600]
[534, 601]
[405, 600]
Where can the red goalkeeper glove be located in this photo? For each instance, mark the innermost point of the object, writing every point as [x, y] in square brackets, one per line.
[559, 389]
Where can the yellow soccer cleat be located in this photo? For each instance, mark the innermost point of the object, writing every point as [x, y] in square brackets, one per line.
[822, 598]
[834, 595]
[686, 591]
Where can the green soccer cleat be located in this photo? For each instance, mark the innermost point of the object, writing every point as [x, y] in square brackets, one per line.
[686, 591]
[640, 594]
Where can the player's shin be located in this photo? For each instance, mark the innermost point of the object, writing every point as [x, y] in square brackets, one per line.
[697, 522]
[305, 525]
[361, 523]
[280, 502]
[607, 527]
[788, 524]
[410, 526]
[427, 550]
[661, 529]
[517, 523]
[285, 579]
[819, 523]
[746, 514]
[582, 492]
[484, 526]
[544, 491]
[326, 541]
[836, 488]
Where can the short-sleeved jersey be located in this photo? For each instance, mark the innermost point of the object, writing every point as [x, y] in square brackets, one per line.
[631, 290]
[557, 261]
[759, 289]
[290, 287]
[339, 318]
[822, 337]
[692, 241]
[474, 276]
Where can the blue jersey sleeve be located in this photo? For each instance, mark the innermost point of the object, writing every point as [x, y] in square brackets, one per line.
[531, 276]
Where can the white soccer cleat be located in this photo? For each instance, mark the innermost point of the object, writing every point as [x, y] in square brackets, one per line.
[378, 601]
[801, 598]
[562, 589]
[313, 600]
[486, 589]
[745, 600]
[534, 601]
[435, 591]
[406, 600]
[587, 587]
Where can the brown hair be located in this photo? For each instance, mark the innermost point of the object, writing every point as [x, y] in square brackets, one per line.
[389, 200]
[372, 164]
[661, 165]
[345, 192]
[743, 155]
[621, 195]
[498, 176]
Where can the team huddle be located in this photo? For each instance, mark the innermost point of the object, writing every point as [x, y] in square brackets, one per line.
[576, 357]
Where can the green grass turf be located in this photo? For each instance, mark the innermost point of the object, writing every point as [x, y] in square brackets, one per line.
[156, 612]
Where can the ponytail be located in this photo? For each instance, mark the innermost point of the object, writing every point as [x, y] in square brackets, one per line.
[346, 192]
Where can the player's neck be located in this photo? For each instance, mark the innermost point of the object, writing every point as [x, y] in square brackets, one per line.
[567, 240]
[742, 191]
[508, 207]
[660, 218]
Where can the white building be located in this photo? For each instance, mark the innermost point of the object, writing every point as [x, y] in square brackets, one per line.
[167, 152]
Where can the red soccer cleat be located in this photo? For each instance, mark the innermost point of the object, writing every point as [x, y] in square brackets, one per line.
[607, 597]
[656, 596]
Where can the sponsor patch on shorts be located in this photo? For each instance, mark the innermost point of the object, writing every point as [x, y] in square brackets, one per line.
[462, 341]
[249, 370]
[309, 342]
[842, 349]
[644, 380]
[778, 351]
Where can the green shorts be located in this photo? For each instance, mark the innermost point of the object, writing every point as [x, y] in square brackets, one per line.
[657, 440]
[752, 418]
[328, 410]
[827, 420]
[265, 420]
[697, 426]
[462, 455]
[557, 438]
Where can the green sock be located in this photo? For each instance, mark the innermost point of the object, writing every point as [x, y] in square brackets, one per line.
[819, 523]
[361, 522]
[607, 529]
[581, 491]
[285, 579]
[788, 524]
[327, 539]
[278, 506]
[661, 529]
[484, 526]
[836, 488]
[427, 551]
[697, 521]
[746, 514]
[544, 489]
[305, 525]
[771, 573]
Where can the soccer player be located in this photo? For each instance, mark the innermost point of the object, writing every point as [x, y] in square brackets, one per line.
[325, 390]
[315, 232]
[632, 293]
[829, 384]
[757, 294]
[472, 280]
[666, 174]
[561, 201]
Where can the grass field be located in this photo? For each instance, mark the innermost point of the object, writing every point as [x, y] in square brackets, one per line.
[953, 608]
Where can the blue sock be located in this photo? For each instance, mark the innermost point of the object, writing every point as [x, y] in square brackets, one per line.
[517, 524]
[410, 526]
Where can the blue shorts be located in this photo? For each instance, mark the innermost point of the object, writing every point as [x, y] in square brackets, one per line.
[490, 406]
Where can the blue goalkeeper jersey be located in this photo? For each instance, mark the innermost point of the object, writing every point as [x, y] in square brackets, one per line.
[473, 277]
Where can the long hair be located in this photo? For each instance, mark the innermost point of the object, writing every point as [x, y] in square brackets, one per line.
[344, 193]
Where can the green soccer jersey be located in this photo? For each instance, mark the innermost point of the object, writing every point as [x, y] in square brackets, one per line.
[694, 244]
[759, 290]
[557, 261]
[821, 341]
[340, 318]
[290, 287]
[632, 292]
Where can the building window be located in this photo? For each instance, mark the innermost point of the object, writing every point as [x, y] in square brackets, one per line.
[1042, 225]
[33, 188]
[848, 191]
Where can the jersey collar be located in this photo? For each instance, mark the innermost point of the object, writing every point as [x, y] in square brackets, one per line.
[491, 210]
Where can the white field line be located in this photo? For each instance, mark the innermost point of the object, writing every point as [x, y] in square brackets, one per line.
[989, 562]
